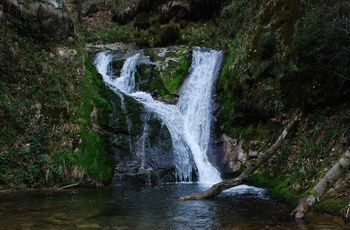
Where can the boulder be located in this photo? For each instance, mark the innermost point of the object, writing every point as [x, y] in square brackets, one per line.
[232, 154]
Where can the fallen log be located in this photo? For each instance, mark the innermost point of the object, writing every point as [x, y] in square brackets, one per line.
[69, 186]
[263, 158]
[322, 186]
[83, 184]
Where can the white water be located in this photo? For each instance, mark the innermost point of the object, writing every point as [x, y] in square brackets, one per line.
[195, 105]
[144, 138]
[54, 3]
[189, 121]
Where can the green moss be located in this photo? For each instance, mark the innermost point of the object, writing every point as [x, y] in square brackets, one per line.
[277, 186]
[167, 79]
[175, 73]
[334, 206]
[94, 157]
[179, 74]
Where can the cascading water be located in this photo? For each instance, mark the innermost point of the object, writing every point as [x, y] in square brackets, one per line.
[195, 105]
[144, 139]
[189, 121]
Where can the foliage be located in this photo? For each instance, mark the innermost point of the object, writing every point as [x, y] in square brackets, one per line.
[122, 33]
[208, 35]
[313, 149]
[94, 157]
[39, 21]
[275, 64]
[38, 111]
[39, 107]
[334, 206]
[321, 52]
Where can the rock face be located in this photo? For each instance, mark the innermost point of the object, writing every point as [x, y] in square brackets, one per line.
[140, 143]
[231, 155]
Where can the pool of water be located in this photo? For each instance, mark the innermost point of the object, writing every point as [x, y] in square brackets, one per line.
[153, 207]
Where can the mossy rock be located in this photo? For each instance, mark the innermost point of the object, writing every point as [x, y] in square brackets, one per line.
[117, 66]
[163, 70]
[174, 69]
[333, 206]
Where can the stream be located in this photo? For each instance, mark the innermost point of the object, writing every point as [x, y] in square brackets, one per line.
[152, 207]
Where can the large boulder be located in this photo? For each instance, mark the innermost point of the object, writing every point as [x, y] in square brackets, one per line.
[231, 155]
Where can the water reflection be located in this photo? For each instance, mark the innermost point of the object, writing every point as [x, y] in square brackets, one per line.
[151, 208]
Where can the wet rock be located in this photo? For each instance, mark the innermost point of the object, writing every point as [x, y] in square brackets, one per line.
[232, 154]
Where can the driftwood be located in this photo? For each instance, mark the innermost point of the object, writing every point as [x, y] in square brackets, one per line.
[69, 186]
[83, 184]
[263, 158]
[322, 186]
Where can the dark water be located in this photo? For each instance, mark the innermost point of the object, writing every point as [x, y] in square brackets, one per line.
[151, 208]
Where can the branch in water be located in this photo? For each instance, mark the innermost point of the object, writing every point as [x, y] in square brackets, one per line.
[216, 189]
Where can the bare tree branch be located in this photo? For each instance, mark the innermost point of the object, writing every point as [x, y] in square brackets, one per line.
[216, 189]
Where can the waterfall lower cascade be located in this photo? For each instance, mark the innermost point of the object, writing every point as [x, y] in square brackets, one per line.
[189, 121]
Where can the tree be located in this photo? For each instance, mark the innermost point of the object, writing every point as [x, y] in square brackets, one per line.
[317, 192]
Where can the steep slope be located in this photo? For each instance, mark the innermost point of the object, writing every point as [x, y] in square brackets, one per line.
[46, 100]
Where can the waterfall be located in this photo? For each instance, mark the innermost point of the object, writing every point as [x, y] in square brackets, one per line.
[195, 105]
[189, 121]
[102, 62]
[144, 138]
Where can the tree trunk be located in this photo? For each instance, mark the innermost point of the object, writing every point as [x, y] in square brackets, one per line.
[323, 186]
[216, 189]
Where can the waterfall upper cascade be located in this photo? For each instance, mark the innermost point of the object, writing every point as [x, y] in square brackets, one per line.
[189, 121]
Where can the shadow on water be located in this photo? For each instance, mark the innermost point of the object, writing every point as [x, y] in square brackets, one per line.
[158, 207]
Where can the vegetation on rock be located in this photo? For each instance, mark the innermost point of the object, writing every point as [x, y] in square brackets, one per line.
[46, 100]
